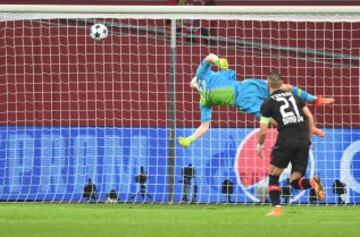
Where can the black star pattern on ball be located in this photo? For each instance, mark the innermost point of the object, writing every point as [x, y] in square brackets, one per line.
[97, 35]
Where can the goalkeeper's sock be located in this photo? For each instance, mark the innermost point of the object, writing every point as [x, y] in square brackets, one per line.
[303, 95]
[274, 190]
[302, 183]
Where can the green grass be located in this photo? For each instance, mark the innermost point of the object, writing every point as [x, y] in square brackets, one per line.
[175, 220]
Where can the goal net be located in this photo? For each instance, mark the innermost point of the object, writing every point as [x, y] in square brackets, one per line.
[82, 120]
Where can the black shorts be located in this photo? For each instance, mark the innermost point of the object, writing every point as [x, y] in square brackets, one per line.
[291, 151]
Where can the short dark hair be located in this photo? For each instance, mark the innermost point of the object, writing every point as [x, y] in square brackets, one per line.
[275, 80]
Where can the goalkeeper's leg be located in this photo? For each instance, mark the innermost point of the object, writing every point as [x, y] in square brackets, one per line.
[298, 181]
[306, 96]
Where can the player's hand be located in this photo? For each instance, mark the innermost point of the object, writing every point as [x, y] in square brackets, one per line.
[211, 58]
[222, 63]
[260, 151]
[261, 154]
[318, 132]
[185, 142]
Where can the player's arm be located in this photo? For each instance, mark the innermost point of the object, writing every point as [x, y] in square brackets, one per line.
[265, 120]
[310, 121]
[221, 63]
[310, 118]
[205, 66]
[185, 142]
[203, 69]
[264, 124]
[201, 130]
[306, 96]
[206, 112]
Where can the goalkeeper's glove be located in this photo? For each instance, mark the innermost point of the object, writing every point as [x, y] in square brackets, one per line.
[221, 63]
[185, 142]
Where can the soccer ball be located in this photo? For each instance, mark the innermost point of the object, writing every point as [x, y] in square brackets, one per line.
[98, 32]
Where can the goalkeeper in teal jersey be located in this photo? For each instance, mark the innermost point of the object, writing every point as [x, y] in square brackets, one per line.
[221, 88]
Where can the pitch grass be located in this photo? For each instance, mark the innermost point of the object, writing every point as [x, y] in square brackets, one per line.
[151, 220]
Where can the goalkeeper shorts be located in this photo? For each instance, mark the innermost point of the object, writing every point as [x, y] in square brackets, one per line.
[250, 95]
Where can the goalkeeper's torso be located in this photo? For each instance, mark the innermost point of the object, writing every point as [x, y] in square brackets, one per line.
[219, 88]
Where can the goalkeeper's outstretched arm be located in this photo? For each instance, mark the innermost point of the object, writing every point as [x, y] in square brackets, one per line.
[205, 65]
[206, 111]
[221, 63]
[185, 142]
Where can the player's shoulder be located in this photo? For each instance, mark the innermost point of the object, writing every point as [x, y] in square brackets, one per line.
[267, 103]
[266, 108]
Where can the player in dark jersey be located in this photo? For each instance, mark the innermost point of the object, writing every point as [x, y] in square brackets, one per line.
[292, 144]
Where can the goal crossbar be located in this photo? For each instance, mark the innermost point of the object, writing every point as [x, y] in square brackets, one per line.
[351, 13]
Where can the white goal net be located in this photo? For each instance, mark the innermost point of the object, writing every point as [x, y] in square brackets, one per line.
[83, 120]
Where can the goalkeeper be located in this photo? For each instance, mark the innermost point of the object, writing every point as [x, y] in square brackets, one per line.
[222, 88]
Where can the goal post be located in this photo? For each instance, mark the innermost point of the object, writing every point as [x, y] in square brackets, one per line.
[75, 112]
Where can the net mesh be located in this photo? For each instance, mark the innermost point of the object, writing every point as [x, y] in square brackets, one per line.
[75, 113]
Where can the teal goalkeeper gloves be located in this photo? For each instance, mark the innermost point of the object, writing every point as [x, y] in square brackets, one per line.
[185, 142]
[222, 63]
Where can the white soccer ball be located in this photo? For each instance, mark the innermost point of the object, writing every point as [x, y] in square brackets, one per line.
[99, 32]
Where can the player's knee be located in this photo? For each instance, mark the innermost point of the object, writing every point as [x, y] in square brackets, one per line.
[294, 179]
[274, 171]
[296, 175]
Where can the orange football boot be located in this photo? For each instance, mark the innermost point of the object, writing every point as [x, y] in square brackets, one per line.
[323, 101]
[276, 211]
